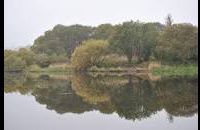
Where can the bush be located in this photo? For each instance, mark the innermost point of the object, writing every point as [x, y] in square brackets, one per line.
[178, 44]
[42, 60]
[14, 63]
[114, 60]
[90, 53]
[34, 68]
[27, 55]
[62, 58]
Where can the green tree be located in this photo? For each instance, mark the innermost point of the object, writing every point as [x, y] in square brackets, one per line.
[90, 53]
[134, 39]
[27, 55]
[42, 60]
[14, 63]
[178, 43]
[104, 32]
[62, 39]
[62, 58]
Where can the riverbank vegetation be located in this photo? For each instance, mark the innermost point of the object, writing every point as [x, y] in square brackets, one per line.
[178, 70]
[107, 47]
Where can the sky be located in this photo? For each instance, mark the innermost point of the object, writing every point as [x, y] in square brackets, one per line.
[25, 20]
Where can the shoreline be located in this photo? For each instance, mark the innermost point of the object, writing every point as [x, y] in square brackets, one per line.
[163, 70]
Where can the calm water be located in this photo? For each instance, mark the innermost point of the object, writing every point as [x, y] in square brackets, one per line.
[83, 102]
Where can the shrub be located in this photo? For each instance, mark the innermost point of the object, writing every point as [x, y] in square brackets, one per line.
[90, 53]
[14, 63]
[42, 60]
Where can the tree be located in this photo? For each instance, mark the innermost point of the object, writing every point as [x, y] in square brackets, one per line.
[168, 20]
[148, 40]
[42, 60]
[89, 53]
[14, 63]
[27, 55]
[178, 43]
[134, 39]
[62, 39]
[62, 58]
[104, 32]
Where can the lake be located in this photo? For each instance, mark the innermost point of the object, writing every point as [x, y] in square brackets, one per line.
[99, 102]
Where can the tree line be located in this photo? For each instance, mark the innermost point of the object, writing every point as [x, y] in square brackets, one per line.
[86, 46]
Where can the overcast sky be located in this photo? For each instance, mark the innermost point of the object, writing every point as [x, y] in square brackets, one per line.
[25, 20]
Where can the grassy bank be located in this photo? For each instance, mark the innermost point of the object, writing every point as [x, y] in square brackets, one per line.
[176, 70]
[161, 70]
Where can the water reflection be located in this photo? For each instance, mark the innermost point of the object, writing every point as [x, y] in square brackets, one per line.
[129, 96]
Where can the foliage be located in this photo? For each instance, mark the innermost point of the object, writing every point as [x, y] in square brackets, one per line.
[12, 62]
[90, 53]
[27, 55]
[179, 70]
[30, 60]
[114, 60]
[134, 39]
[178, 43]
[34, 68]
[42, 60]
[104, 32]
[62, 39]
[107, 46]
[62, 58]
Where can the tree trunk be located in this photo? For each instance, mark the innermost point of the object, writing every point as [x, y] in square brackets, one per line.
[129, 57]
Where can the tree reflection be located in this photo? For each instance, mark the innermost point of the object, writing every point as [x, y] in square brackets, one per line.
[129, 96]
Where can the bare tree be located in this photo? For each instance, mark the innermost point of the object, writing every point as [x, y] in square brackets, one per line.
[168, 20]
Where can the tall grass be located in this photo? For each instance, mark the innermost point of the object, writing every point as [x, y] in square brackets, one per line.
[179, 70]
